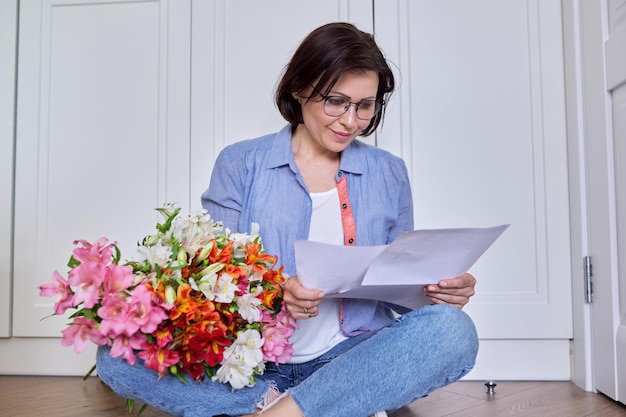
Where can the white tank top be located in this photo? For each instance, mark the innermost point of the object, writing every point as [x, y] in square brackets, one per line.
[317, 335]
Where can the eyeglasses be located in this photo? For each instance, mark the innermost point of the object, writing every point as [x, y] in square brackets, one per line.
[335, 106]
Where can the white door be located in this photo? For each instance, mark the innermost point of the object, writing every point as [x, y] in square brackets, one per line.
[102, 140]
[596, 44]
[609, 307]
[480, 120]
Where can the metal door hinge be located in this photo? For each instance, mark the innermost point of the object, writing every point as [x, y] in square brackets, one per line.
[588, 279]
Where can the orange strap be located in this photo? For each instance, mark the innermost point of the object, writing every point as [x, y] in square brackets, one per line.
[347, 218]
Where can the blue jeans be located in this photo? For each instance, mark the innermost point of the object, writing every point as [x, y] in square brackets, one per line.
[421, 351]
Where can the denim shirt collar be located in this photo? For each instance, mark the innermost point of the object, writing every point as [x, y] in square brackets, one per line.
[282, 154]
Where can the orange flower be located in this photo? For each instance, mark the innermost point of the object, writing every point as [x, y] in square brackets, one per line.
[274, 276]
[270, 298]
[235, 271]
[257, 260]
[224, 256]
[184, 304]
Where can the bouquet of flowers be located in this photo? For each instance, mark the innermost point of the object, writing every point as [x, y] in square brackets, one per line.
[198, 300]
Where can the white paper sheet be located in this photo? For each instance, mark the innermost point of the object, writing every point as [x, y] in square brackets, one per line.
[394, 273]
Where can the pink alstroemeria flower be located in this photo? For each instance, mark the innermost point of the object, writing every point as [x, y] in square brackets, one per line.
[124, 346]
[99, 251]
[144, 311]
[276, 333]
[276, 347]
[86, 278]
[114, 314]
[117, 278]
[80, 332]
[58, 287]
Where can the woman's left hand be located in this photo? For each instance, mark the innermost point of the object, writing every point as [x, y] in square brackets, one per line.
[455, 291]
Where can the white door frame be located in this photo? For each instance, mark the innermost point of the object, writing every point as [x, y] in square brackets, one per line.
[582, 373]
[592, 195]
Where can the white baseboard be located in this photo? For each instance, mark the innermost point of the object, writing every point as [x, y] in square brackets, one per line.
[43, 356]
[497, 359]
[523, 360]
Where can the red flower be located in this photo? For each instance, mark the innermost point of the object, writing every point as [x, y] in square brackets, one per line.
[158, 359]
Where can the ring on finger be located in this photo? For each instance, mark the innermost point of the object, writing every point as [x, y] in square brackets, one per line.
[305, 310]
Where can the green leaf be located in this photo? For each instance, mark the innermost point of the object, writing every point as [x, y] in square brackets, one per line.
[51, 315]
[88, 374]
[118, 254]
[142, 409]
[73, 262]
[163, 228]
[129, 405]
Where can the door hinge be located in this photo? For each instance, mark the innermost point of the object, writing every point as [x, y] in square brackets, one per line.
[588, 273]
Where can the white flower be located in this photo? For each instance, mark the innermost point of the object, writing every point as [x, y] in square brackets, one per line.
[244, 238]
[225, 289]
[168, 209]
[240, 240]
[155, 255]
[235, 373]
[151, 240]
[208, 281]
[241, 360]
[195, 231]
[248, 347]
[206, 284]
[249, 306]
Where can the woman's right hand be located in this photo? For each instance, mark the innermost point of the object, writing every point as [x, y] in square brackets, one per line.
[301, 302]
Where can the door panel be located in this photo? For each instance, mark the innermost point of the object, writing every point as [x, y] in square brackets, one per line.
[96, 143]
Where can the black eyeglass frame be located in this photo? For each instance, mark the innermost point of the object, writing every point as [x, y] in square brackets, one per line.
[378, 105]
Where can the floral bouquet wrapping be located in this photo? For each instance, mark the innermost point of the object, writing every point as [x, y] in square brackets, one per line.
[198, 300]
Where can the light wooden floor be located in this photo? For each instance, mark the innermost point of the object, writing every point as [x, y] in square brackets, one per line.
[24, 396]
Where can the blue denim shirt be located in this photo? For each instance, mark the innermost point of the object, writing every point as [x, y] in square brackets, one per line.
[258, 181]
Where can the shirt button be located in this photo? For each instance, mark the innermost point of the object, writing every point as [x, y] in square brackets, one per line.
[350, 240]
[344, 206]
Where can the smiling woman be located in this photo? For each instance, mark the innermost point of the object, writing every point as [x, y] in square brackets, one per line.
[323, 57]
[315, 180]
[323, 136]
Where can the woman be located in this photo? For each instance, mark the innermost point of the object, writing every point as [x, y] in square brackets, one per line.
[313, 180]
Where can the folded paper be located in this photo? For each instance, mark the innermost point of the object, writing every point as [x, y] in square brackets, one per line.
[397, 272]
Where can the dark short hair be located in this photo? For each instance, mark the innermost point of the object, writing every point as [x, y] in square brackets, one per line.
[326, 54]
